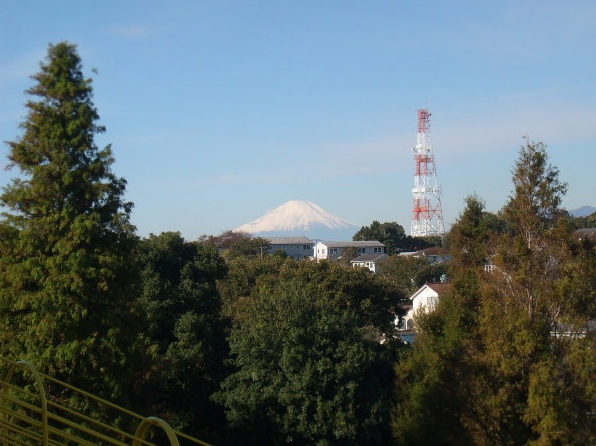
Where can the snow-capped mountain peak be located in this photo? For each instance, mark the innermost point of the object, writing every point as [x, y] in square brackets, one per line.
[297, 216]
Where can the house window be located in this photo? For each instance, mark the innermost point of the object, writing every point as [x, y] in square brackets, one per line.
[305, 246]
[333, 251]
[378, 249]
[361, 250]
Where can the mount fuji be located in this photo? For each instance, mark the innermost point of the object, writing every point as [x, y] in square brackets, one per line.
[301, 218]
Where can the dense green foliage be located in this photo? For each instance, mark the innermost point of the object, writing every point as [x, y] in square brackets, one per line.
[433, 273]
[432, 380]
[402, 272]
[522, 305]
[67, 269]
[233, 245]
[585, 222]
[185, 328]
[308, 365]
[241, 281]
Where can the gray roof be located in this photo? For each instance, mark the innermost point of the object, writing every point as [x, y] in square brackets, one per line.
[370, 258]
[358, 244]
[289, 240]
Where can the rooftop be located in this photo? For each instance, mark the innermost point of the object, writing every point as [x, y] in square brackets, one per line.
[370, 257]
[357, 244]
[289, 240]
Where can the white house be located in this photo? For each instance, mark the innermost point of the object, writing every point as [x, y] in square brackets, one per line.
[334, 250]
[295, 247]
[370, 261]
[424, 300]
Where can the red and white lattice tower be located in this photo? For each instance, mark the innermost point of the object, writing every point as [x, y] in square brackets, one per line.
[427, 216]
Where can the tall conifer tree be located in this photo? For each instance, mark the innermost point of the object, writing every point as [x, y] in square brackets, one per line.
[67, 241]
[432, 380]
[533, 388]
[508, 355]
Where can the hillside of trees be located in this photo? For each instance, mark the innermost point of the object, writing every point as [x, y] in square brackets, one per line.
[233, 345]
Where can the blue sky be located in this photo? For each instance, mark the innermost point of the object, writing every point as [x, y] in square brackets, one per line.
[219, 111]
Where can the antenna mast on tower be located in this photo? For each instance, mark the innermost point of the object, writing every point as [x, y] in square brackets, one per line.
[427, 215]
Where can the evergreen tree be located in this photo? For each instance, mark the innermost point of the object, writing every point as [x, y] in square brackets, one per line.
[588, 221]
[402, 271]
[233, 245]
[532, 388]
[242, 279]
[508, 356]
[67, 287]
[432, 379]
[308, 365]
[186, 329]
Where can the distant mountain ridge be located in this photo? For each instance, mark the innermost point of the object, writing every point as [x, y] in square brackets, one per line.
[583, 211]
[301, 218]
